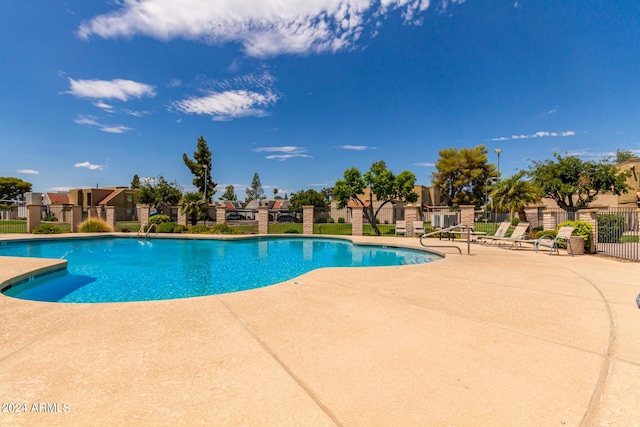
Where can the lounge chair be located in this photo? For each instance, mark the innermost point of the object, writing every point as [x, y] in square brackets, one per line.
[518, 236]
[551, 242]
[499, 234]
[418, 228]
[401, 228]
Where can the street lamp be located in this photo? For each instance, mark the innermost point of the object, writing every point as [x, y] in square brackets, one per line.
[498, 151]
[206, 201]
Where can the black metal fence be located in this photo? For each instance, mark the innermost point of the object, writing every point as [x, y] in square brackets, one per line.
[619, 233]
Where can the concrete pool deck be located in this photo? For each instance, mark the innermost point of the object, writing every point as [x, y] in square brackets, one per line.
[501, 337]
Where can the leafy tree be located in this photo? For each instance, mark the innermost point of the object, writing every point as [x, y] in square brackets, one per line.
[135, 182]
[229, 193]
[200, 167]
[11, 188]
[574, 183]
[463, 176]
[514, 194]
[275, 193]
[193, 204]
[256, 191]
[159, 193]
[624, 155]
[381, 184]
[306, 198]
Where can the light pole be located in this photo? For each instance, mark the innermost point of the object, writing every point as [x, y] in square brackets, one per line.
[206, 201]
[498, 151]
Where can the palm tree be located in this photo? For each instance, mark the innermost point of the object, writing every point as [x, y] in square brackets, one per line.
[193, 204]
[514, 194]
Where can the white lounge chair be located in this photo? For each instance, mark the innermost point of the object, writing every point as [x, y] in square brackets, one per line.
[401, 228]
[418, 228]
[500, 233]
[551, 242]
[518, 236]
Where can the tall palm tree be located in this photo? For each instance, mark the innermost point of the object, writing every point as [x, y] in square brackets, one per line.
[514, 194]
[193, 204]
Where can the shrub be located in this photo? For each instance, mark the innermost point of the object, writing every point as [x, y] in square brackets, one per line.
[199, 229]
[582, 229]
[222, 228]
[292, 231]
[610, 227]
[515, 221]
[159, 219]
[166, 227]
[340, 220]
[94, 225]
[537, 228]
[179, 228]
[47, 229]
[330, 220]
[51, 217]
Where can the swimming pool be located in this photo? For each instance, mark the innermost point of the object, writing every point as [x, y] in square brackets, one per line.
[128, 269]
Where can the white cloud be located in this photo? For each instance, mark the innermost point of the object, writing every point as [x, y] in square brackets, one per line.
[540, 134]
[228, 105]
[290, 152]
[89, 166]
[356, 147]
[111, 109]
[28, 171]
[60, 189]
[120, 89]
[92, 121]
[263, 27]
[425, 164]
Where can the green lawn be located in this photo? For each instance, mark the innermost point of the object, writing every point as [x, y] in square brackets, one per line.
[13, 226]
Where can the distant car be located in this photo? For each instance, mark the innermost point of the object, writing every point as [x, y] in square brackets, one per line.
[235, 217]
[287, 218]
[154, 213]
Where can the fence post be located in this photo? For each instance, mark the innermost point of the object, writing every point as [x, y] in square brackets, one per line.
[307, 219]
[356, 221]
[221, 214]
[76, 218]
[33, 217]
[591, 216]
[143, 214]
[548, 220]
[111, 216]
[182, 218]
[263, 219]
[410, 215]
[467, 215]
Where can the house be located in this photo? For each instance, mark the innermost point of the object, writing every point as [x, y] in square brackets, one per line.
[122, 198]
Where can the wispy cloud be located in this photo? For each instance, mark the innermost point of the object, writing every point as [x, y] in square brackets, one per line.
[229, 105]
[356, 147]
[120, 89]
[425, 164]
[58, 189]
[92, 121]
[535, 135]
[90, 166]
[289, 152]
[28, 171]
[112, 109]
[264, 28]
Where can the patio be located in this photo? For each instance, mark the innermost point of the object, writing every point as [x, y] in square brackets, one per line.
[501, 337]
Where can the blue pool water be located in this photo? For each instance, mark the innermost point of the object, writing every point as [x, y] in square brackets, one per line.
[127, 269]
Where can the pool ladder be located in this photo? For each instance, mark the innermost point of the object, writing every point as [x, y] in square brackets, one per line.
[150, 227]
[463, 230]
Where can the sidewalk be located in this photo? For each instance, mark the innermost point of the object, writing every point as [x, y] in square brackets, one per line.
[500, 337]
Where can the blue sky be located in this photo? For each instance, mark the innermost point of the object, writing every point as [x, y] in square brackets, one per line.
[299, 91]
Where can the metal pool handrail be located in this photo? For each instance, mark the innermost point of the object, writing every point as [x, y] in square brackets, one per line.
[460, 227]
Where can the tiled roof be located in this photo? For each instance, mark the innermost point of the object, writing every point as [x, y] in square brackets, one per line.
[111, 196]
[58, 199]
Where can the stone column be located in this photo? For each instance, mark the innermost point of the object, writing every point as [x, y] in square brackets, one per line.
[221, 214]
[143, 214]
[33, 217]
[548, 220]
[532, 216]
[263, 219]
[411, 214]
[467, 215]
[111, 217]
[76, 218]
[307, 219]
[182, 218]
[356, 221]
[591, 216]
